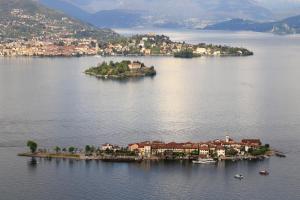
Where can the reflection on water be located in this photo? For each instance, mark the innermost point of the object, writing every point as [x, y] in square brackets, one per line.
[32, 163]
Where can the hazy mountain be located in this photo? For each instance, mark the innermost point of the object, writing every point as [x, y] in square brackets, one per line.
[116, 18]
[67, 8]
[157, 13]
[29, 18]
[241, 24]
[282, 8]
[287, 26]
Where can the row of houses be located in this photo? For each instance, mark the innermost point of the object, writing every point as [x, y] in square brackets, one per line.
[215, 148]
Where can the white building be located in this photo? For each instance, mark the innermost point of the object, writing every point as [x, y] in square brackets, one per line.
[201, 51]
[220, 151]
[227, 138]
[107, 146]
[203, 150]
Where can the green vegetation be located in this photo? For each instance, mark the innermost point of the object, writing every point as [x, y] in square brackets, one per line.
[195, 153]
[88, 149]
[32, 146]
[231, 152]
[187, 53]
[57, 149]
[71, 149]
[40, 20]
[120, 70]
[259, 151]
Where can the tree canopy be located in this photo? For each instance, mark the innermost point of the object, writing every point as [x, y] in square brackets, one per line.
[32, 146]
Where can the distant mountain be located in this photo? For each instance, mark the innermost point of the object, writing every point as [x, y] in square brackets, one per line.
[287, 26]
[29, 19]
[157, 13]
[241, 25]
[116, 18]
[67, 8]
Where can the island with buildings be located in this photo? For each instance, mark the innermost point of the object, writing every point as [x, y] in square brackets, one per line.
[121, 70]
[218, 150]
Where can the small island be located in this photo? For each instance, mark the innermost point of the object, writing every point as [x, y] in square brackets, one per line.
[121, 70]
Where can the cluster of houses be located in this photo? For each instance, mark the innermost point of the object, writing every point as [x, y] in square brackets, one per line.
[62, 47]
[216, 148]
[55, 38]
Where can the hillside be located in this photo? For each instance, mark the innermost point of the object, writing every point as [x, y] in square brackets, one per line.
[30, 19]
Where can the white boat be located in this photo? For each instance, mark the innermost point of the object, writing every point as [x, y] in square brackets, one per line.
[204, 161]
[239, 176]
[264, 172]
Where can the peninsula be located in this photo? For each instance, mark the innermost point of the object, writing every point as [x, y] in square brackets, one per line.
[121, 70]
[217, 150]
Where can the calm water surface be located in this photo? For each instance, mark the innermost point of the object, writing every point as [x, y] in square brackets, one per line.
[51, 101]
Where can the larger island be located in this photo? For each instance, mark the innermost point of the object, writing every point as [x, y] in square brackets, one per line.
[215, 150]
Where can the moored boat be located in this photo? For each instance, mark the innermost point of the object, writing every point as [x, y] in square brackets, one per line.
[264, 172]
[204, 161]
[279, 154]
[239, 176]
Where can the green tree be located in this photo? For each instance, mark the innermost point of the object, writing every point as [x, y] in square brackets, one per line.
[71, 149]
[88, 148]
[93, 149]
[57, 149]
[187, 53]
[231, 152]
[61, 43]
[32, 146]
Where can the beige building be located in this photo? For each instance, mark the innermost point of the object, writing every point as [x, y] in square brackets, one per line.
[135, 65]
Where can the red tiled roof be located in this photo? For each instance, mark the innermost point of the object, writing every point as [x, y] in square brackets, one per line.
[251, 141]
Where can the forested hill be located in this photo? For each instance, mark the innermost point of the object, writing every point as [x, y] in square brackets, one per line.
[29, 19]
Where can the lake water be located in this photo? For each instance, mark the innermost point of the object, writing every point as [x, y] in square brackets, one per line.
[51, 101]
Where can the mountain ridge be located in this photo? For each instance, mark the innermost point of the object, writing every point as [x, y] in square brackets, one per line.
[290, 25]
[168, 14]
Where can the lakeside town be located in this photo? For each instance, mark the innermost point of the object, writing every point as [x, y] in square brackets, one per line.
[26, 34]
[138, 45]
[210, 151]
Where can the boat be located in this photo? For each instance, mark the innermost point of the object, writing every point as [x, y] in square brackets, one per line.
[264, 172]
[239, 176]
[279, 154]
[204, 161]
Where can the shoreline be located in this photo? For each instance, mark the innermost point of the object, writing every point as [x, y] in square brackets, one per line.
[109, 158]
[119, 55]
